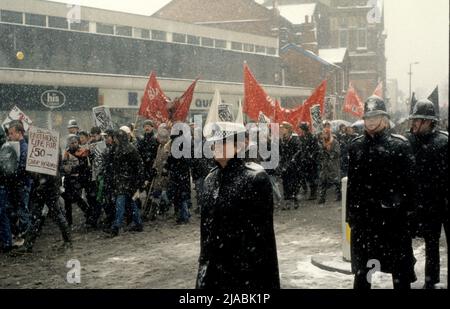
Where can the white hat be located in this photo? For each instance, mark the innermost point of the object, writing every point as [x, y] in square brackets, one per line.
[217, 129]
[223, 130]
[125, 129]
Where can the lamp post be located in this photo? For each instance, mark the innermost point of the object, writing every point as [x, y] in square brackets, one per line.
[410, 77]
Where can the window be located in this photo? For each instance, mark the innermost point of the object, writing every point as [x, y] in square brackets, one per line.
[220, 43]
[208, 42]
[81, 25]
[105, 29]
[362, 38]
[260, 49]
[249, 48]
[145, 33]
[271, 51]
[123, 30]
[159, 35]
[35, 20]
[179, 38]
[343, 38]
[132, 99]
[11, 17]
[236, 46]
[57, 22]
[194, 40]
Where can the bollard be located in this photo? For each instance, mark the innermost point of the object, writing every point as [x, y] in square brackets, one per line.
[345, 227]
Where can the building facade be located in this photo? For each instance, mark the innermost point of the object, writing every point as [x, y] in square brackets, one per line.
[105, 57]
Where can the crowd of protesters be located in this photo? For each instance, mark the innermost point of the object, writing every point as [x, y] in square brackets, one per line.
[119, 179]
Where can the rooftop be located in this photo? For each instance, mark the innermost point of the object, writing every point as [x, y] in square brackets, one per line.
[296, 13]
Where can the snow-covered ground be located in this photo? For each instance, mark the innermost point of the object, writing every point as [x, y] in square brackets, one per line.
[165, 255]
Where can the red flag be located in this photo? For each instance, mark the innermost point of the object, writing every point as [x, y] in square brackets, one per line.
[255, 98]
[154, 102]
[353, 104]
[312, 110]
[183, 104]
[379, 90]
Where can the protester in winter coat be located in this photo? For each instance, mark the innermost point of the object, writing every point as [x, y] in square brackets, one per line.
[179, 187]
[329, 158]
[20, 188]
[128, 179]
[75, 169]
[8, 166]
[147, 147]
[288, 167]
[46, 192]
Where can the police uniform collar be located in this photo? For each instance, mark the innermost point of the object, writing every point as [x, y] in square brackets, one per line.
[377, 136]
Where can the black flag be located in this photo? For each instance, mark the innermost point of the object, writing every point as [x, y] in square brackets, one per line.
[412, 103]
[434, 97]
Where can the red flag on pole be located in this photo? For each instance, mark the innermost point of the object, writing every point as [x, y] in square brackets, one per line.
[379, 90]
[255, 98]
[312, 110]
[154, 102]
[353, 104]
[182, 104]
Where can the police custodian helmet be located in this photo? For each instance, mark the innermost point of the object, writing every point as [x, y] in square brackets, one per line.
[374, 106]
[424, 109]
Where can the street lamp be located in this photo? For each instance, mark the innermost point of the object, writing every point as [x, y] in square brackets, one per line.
[410, 77]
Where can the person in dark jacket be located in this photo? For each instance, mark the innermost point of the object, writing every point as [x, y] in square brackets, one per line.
[20, 189]
[288, 166]
[329, 157]
[179, 186]
[75, 169]
[8, 161]
[107, 173]
[46, 192]
[200, 166]
[128, 170]
[308, 157]
[237, 239]
[148, 147]
[430, 148]
[380, 197]
[344, 142]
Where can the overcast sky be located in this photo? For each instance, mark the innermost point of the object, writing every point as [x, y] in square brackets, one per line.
[417, 31]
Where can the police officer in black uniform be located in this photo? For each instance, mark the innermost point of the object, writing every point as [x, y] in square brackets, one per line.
[237, 245]
[431, 175]
[380, 197]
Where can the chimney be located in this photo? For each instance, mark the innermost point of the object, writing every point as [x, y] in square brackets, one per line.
[276, 11]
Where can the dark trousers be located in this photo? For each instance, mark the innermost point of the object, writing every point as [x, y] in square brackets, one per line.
[19, 197]
[325, 184]
[5, 228]
[73, 195]
[37, 219]
[291, 186]
[432, 256]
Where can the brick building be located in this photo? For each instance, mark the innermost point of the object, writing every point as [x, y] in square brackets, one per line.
[355, 25]
[298, 28]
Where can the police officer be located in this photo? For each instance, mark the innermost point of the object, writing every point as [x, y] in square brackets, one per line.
[379, 199]
[238, 249]
[430, 150]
